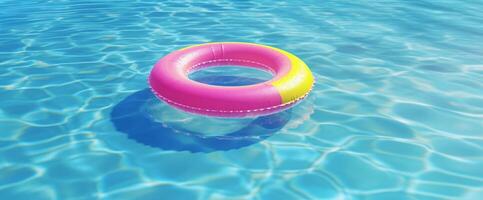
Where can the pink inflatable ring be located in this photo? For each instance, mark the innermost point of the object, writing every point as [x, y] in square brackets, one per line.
[292, 80]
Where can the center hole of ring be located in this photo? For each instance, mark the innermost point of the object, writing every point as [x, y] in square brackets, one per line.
[230, 75]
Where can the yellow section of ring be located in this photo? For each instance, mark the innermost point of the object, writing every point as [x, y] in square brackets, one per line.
[298, 81]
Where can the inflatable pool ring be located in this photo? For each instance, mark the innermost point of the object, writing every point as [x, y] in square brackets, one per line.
[292, 80]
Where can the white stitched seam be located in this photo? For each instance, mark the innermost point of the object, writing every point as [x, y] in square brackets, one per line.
[266, 67]
[229, 111]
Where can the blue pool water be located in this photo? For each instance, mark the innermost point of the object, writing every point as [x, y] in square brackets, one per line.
[396, 112]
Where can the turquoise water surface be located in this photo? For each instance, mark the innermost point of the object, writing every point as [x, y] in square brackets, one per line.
[396, 112]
